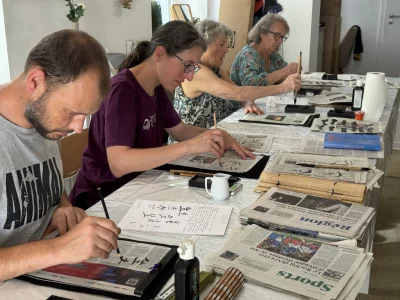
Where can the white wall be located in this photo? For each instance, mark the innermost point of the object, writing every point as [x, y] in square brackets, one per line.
[366, 14]
[213, 9]
[4, 67]
[303, 19]
[27, 21]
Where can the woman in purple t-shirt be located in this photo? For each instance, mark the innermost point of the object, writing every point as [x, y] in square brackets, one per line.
[126, 134]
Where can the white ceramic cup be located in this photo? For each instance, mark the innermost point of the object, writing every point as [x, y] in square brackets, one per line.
[219, 186]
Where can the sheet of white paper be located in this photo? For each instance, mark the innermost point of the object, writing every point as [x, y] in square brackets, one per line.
[176, 217]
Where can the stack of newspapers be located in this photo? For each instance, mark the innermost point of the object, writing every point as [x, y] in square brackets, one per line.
[294, 264]
[318, 217]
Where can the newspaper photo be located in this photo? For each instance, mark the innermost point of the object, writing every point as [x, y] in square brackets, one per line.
[343, 125]
[291, 263]
[286, 163]
[277, 118]
[259, 142]
[324, 218]
[115, 274]
[230, 162]
[329, 98]
[315, 145]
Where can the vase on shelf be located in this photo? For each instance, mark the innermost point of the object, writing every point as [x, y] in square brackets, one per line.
[75, 25]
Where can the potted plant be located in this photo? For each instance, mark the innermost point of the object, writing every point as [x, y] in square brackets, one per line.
[156, 16]
[76, 11]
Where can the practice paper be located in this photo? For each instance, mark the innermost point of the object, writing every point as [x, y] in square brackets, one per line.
[176, 217]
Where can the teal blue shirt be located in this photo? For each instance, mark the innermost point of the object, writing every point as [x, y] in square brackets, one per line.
[248, 68]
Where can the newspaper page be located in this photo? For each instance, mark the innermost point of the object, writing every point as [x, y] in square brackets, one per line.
[342, 162]
[229, 162]
[316, 146]
[277, 118]
[321, 83]
[329, 98]
[343, 125]
[290, 263]
[326, 218]
[259, 142]
[287, 163]
[115, 274]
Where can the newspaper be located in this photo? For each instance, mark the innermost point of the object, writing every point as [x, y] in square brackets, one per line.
[258, 142]
[114, 274]
[290, 263]
[321, 83]
[319, 217]
[316, 146]
[288, 163]
[343, 125]
[229, 162]
[329, 98]
[277, 118]
[343, 162]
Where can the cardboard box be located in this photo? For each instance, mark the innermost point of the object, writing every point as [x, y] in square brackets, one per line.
[238, 15]
[331, 8]
[331, 43]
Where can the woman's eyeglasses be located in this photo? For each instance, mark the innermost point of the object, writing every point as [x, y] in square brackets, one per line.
[188, 67]
[278, 36]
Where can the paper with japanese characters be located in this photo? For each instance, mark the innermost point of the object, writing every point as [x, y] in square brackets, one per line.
[176, 217]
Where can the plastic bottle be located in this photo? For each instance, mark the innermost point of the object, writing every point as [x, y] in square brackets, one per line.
[358, 93]
[187, 274]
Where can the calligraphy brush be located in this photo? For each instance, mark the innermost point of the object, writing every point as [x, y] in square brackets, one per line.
[107, 216]
[298, 72]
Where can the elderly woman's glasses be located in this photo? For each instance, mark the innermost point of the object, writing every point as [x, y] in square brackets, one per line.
[188, 67]
[278, 36]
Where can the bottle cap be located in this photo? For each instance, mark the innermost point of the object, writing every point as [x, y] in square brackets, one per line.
[359, 82]
[186, 249]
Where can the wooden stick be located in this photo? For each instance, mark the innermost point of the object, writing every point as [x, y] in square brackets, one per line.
[189, 173]
[215, 127]
[298, 72]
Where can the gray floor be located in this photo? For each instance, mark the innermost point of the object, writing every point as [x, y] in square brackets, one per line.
[385, 272]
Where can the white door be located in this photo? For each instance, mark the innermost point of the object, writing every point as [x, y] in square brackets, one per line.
[388, 55]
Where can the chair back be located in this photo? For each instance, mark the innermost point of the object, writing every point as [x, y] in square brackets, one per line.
[181, 12]
[345, 48]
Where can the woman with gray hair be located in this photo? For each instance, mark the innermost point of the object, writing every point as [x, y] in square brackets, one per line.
[258, 63]
[211, 89]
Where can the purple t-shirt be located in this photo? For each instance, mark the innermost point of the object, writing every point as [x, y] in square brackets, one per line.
[129, 117]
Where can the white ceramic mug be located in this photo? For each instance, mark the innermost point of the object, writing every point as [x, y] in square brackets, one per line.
[219, 186]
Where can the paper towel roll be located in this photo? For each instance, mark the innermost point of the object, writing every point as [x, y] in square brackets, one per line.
[375, 94]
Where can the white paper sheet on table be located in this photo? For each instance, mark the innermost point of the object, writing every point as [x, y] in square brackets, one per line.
[176, 217]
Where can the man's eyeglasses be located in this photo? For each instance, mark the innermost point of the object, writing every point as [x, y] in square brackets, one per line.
[188, 67]
[278, 36]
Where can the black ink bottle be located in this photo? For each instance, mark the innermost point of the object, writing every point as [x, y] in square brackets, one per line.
[358, 93]
[187, 274]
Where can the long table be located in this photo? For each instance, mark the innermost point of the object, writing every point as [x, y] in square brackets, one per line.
[158, 185]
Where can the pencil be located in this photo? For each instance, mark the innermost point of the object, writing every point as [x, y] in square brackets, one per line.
[215, 127]
[106, 211]
[298, 72]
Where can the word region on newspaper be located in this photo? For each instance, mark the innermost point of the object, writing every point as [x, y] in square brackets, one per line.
[308, 215]
[293, 264]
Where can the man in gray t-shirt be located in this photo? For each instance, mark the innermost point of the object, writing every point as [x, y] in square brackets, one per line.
[65, 78]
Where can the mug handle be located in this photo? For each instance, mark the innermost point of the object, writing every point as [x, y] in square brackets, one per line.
[205, 184]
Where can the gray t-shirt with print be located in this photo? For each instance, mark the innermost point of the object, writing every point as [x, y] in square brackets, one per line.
[30, 183]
